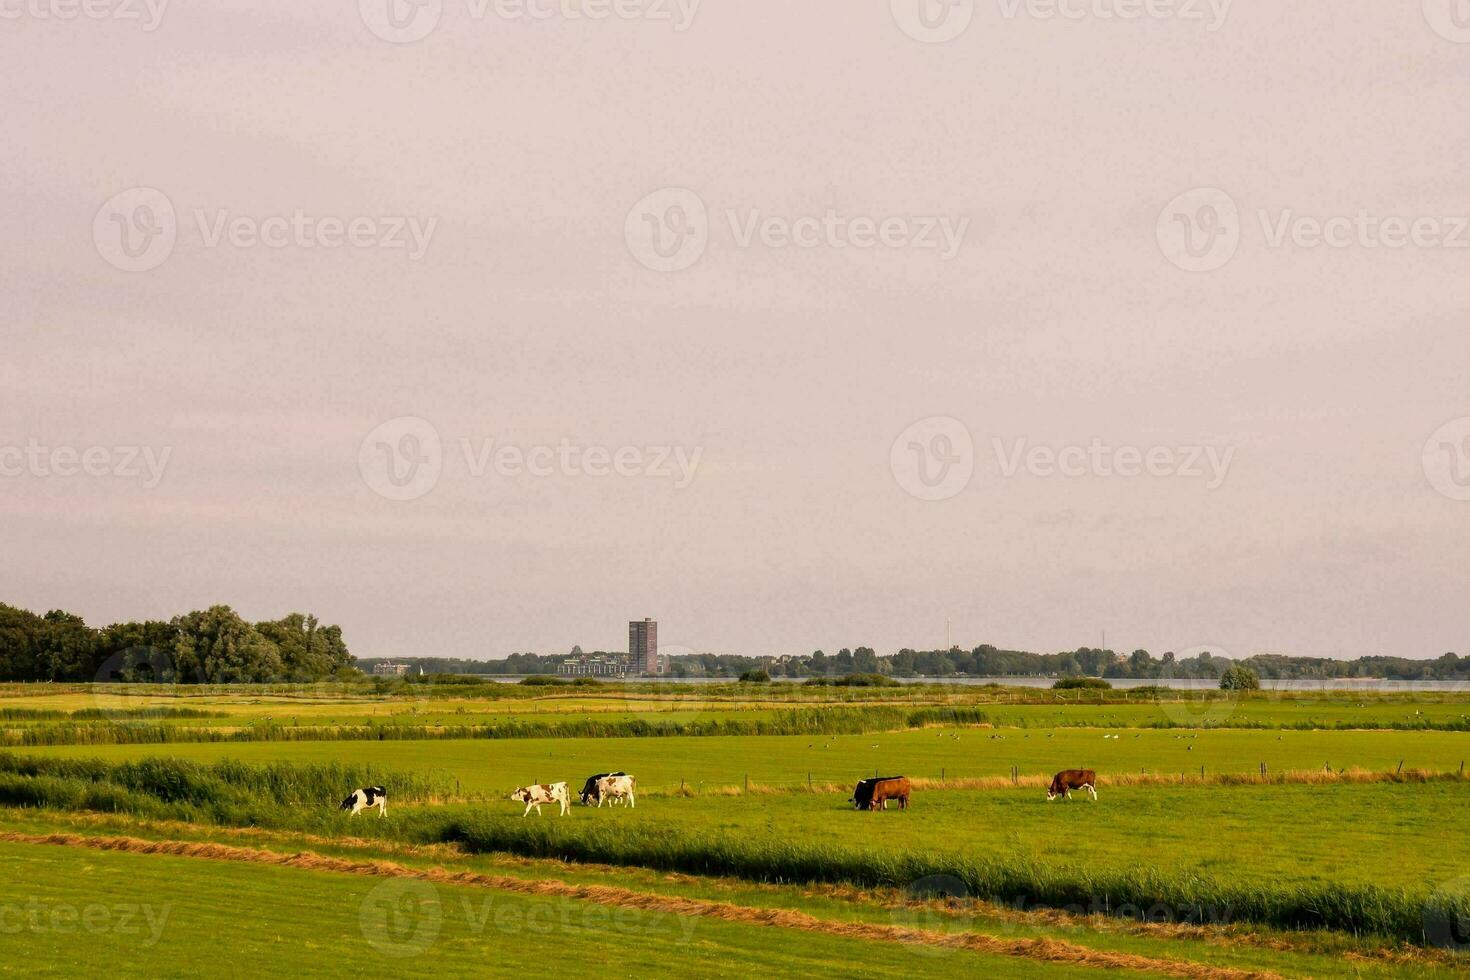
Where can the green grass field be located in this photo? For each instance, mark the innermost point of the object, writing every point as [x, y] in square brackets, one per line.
[1395, 835]
[1372, 850]
[1305, 955]
[494, 765]
[489, 704]
[82, 913]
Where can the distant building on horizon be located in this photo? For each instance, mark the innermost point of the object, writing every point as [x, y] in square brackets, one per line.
[596, 665]
[391, 670]
[643, 645]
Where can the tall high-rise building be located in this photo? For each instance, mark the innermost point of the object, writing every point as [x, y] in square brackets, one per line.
[643, 645]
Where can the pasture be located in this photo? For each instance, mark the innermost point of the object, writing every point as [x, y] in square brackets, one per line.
[1397, 835]
[158, 908]
[1285, 875]
[488, 703]
[491, 766]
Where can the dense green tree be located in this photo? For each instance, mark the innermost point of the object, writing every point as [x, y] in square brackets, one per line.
[219, 647]
[1239, 678]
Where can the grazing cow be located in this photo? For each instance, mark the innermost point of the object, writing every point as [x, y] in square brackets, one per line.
[874, 794]
[543, 793]
[365, 798]
[590, 794]
[1067, 780]
[616, 788]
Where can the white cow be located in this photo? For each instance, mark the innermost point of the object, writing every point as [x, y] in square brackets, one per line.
[541, 793]
[366, 798]
[615, 789]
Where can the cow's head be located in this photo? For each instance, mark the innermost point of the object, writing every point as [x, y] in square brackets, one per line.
[521, 795]
[1051, 794]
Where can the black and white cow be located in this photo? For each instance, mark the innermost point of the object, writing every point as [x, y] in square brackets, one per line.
[590, 794]
[365, 798]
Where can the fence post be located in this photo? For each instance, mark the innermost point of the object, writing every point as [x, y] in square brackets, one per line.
[808, 782]
[1400, 768]
[1201, 772]
[1462, 767]
[941, 775]
[747, 782]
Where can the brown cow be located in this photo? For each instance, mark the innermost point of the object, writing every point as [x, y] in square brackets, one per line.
[874, 794]
[1067, 780]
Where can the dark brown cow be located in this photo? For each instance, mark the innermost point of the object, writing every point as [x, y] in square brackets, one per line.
[1067, 780]
[874, 794]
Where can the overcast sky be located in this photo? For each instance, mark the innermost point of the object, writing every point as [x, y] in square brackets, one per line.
[791, 325]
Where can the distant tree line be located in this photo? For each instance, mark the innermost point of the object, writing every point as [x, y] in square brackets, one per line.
[214, 645]
[516, 663]
[982, 661]
[990, 661]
